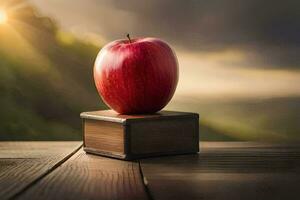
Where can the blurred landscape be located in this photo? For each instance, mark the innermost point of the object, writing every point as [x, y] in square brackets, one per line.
[271, 119]
[46, 81]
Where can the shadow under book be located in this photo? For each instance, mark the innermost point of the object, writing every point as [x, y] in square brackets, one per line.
[130, 137]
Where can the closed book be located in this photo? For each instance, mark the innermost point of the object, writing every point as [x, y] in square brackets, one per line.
[130, 137]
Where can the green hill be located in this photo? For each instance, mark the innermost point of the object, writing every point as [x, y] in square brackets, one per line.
[272, 119]
[45, 79]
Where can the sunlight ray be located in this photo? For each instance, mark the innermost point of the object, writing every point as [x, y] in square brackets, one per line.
[17, 6]
[22, 49]
[3, 16]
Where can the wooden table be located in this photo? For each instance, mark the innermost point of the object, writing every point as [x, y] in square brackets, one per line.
[223, 170]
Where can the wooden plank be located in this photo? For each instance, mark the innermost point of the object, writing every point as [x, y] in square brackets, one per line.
[86, 176]
[112, 116]
[231, 170]
[22, 163]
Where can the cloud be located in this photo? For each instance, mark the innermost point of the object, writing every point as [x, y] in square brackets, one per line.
[268, 30]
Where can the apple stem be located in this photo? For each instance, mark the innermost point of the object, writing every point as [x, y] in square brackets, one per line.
[128, 37]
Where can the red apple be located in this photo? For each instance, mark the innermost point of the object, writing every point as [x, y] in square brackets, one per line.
[136, 76]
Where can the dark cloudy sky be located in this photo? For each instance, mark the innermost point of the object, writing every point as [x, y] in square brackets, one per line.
[233, 44]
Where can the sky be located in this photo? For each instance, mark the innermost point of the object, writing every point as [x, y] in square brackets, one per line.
[227, 48]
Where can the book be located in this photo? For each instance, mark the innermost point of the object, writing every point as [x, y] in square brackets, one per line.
[129, 137]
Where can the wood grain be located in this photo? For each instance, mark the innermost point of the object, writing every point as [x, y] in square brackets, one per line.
[104, 136]
[230, 170]
[86, 176]
[22, 163]
[130, 137]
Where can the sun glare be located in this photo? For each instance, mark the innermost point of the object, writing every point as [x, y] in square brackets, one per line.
[3, 17]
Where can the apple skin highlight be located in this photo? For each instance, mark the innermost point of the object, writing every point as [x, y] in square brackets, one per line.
[136, 76]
